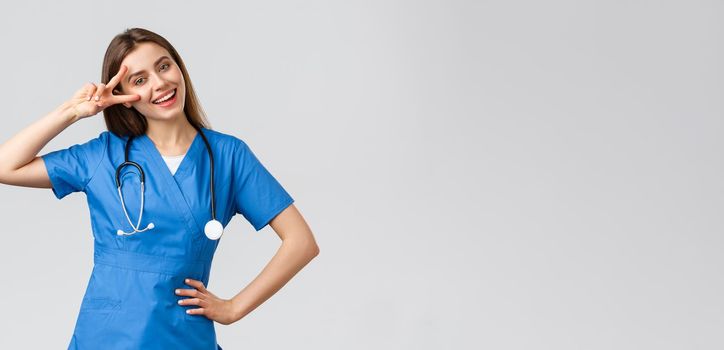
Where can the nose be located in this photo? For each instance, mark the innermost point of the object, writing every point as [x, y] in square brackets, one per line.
[160, 84]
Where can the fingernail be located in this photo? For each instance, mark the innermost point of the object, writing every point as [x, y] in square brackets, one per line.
[178, 291]
[188, 311]
[179, 301]
[187, 280]
[89, 97]
[98, 98]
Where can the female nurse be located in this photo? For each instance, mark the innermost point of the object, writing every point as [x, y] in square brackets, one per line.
[152, 247]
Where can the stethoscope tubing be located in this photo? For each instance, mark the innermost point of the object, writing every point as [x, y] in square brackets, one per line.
[142, 175]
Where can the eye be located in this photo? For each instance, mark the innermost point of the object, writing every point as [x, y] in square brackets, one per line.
[164, 66]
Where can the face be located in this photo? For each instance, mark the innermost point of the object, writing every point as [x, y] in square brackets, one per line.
[153, 75]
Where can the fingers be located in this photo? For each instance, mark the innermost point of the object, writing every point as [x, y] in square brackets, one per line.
[193, 301]
[190, 293]
[117, 78]
[201, 303]
[124, 98]
[99, 91]
[187, 292]
[94, 93]
[90, 90]
[196, 284]
[198, 311]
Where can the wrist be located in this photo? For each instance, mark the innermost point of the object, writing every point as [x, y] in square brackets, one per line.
[238, 309]
[67, 112]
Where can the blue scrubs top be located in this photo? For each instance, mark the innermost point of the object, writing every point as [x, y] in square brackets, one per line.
[130, 300]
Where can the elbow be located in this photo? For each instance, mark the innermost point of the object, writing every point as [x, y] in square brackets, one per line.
[309, 245]
[314, 250]
[5, 175]
[311, 249]
[305, 248]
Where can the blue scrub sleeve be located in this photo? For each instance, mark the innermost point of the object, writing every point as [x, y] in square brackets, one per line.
[71, 169]
[259, 197]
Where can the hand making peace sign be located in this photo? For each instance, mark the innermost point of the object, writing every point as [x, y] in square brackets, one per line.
[91, 99]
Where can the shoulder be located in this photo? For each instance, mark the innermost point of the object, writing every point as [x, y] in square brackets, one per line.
[95, 146]
[103, 137]
[113, 138]
[225, 142]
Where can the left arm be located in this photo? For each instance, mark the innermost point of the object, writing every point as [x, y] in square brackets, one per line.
[297, 250]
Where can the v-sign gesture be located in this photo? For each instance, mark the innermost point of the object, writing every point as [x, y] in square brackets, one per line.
[91, 99]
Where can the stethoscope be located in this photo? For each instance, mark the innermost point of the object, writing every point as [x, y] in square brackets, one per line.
[213, 229]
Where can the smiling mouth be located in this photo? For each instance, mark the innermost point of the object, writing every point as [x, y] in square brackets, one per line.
[165, 99]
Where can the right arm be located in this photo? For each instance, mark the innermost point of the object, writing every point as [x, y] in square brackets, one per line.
[19, 163]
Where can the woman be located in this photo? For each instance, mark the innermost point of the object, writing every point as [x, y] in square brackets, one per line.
[156, 234]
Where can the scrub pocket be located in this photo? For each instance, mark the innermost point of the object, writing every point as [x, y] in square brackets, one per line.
[100, 295]
[96, 315]
[100, 304]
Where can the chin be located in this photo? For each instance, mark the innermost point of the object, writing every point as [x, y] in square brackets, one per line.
[167, 114]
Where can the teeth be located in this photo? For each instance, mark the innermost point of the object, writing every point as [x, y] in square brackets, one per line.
[167, 97]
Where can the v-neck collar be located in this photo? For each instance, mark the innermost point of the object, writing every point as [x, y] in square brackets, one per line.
[158, 158]
[169, 185]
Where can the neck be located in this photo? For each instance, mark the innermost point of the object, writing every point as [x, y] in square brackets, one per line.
[171, 135]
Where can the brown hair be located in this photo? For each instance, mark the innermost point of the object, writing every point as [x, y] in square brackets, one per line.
[124, 121]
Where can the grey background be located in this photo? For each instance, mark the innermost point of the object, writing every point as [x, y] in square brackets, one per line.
[498, 175]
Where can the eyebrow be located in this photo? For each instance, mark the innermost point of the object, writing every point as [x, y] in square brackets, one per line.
[143, 70]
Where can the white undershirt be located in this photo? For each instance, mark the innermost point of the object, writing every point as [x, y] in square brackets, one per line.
[173, 162]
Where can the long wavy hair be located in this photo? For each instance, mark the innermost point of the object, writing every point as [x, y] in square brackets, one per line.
[128, 121]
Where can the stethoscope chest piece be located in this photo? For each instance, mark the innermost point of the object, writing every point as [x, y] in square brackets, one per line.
[213, 229]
